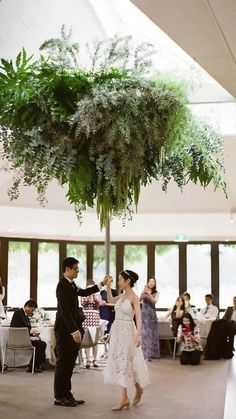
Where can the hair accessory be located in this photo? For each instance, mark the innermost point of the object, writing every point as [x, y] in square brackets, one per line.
[127, 273]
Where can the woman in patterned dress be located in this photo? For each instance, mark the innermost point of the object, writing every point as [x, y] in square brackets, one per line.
[91, 306]
[126, 366]
[189, 339]
[150, 332]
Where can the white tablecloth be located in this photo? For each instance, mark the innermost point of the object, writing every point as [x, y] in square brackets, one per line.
[47, 335]
[205, 327]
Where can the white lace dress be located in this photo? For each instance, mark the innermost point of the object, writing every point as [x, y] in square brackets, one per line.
[125, 365]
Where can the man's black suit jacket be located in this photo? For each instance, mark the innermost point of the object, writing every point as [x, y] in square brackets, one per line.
[20, 319]
[228, 313]
[69, 317]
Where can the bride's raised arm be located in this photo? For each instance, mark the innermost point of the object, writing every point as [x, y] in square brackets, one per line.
[110, 298]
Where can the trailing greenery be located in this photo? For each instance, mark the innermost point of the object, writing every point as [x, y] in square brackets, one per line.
[104, 131]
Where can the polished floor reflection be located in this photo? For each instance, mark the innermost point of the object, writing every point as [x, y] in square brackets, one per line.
[176, 391]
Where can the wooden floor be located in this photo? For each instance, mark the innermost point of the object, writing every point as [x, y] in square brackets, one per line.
[207, 391]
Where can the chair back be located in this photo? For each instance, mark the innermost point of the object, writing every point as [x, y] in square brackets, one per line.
[19, 338]
[165, 331]
[87, 341]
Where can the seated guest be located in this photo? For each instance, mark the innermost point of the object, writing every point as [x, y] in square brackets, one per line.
[210, 312]
[177, 313]
[21, 319]
[189, 308]
[189, 339]
[230, 313]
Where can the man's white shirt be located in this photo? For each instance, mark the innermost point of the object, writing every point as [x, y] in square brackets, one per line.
[210, 312]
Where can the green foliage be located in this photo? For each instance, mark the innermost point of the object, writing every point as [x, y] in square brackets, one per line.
[77, 251]
[135, 253]
[99, 255]
[45, 247]
[15, 247]
[103, 132]
[162, 249]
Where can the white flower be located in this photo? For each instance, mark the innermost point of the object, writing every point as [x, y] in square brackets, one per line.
[40, 316]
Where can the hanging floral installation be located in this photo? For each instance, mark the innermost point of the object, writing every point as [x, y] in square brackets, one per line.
[104, 131]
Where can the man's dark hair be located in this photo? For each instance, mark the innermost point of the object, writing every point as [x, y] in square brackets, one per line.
[68, 263]
[209, 296]
[187, 295]
[31, 303]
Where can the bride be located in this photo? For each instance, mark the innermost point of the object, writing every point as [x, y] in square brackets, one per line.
[126, 366]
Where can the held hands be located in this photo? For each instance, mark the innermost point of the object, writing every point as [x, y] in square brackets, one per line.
[77, 336]
[102, 303]
[107, 280]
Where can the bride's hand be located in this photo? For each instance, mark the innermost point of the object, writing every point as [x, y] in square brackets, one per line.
[107, 280]
[137, 340]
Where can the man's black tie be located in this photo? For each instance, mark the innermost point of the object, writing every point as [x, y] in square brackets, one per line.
[27, 321]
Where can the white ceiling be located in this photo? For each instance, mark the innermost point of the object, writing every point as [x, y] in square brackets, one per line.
[205, 29]
[199, 214]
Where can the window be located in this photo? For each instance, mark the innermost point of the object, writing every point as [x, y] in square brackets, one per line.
[227, 261]
[99, 267]
[135, 259]
[48, 273]
[198, 272]
[167, 273]
[79, 252]
[18, 273]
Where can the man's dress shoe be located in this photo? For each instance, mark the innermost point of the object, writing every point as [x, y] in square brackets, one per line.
[71, 397]
[64, 402]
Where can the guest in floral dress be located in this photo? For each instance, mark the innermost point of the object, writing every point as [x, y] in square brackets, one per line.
[91, 306]
[150, 332]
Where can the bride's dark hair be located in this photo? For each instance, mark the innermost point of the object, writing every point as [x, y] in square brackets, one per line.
[127, 274]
